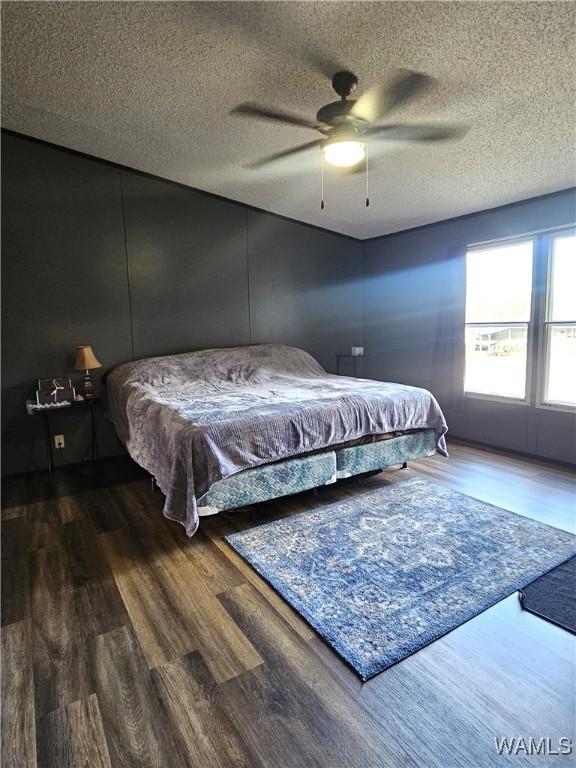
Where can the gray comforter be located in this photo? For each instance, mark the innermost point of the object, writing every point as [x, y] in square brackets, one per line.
[195, 418]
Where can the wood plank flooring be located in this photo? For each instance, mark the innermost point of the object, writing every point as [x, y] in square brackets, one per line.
[126, 644]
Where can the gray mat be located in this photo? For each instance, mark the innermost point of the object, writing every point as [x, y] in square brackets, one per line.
[553, 596]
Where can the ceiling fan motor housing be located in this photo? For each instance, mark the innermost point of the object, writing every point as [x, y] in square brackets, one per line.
[336, 112]
[344, 83]
[337, 115]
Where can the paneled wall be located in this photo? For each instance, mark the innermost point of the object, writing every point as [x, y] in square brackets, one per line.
[413, 305]
[188, 268]
[134, 266]
[63, 284]
[304, 287]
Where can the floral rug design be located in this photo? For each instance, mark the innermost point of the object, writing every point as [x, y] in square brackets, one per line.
[384, 573]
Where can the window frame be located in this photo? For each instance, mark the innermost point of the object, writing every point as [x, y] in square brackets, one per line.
[544, 324]
[529, 324]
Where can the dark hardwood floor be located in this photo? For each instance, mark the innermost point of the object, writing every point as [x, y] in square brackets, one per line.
[126, 644]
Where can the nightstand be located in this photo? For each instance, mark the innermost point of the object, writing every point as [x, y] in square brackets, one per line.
[354, 358]
[79, 407]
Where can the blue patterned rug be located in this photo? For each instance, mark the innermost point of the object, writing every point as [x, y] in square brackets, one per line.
[383, 574]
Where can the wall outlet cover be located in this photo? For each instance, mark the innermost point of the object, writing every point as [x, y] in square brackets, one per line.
[59, 441]
[357, 351]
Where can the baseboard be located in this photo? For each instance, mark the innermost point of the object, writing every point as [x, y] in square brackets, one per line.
[510, 452]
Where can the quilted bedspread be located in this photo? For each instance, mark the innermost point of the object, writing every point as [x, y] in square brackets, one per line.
[195, 418]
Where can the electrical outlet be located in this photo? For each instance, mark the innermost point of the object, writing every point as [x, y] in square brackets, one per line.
[59, 441]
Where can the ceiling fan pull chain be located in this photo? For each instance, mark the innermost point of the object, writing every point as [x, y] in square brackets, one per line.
[322, 206]
[367, 176]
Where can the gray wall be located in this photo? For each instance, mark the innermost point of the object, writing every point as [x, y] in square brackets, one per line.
[134, 266]
[96, 254]
[413, 321]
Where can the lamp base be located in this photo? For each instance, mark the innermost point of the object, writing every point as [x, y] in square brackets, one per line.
[88, 386]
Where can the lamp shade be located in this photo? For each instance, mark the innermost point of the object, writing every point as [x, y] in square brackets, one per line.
[86, 360]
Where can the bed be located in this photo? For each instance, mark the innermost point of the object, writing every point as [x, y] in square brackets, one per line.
[222, 428]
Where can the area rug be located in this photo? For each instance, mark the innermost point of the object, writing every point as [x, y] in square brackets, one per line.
[553, 596]
[384, 573]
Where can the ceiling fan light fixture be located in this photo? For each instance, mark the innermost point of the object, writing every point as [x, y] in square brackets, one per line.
[344, 153]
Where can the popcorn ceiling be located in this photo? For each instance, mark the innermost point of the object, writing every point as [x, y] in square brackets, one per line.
[149, 85]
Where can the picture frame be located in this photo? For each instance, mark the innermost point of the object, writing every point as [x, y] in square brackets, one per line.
[54, 381]
[58, 389]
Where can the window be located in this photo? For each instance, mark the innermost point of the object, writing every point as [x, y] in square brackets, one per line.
[498, 308]
[520, 311]
[559, 385]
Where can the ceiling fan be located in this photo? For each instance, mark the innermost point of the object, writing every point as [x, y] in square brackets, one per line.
[348, 125]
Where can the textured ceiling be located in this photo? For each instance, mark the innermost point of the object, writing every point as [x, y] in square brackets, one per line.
[150, 85]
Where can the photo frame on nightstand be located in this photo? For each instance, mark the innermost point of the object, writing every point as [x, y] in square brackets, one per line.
[55, 381]
[58, 389]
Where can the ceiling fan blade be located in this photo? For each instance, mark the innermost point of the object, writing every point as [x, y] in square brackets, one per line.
[285, 153]
[415, 132]
[382, 99]
[264, 113]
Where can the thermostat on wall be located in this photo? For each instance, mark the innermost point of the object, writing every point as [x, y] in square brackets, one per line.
[357, 351]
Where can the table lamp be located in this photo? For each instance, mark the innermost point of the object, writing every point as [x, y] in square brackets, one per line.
[86, 361]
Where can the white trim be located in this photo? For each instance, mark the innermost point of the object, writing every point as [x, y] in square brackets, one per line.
[545, 325]
[524, 236]
[538, 326]
[553, 406]
[497, 398]
[529, 326]
[542, 373]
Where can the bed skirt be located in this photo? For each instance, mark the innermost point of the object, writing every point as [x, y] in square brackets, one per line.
[285, 478]
[385, 453]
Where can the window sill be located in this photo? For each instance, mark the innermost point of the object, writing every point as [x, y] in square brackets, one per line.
[496, 398]
[557, 407]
